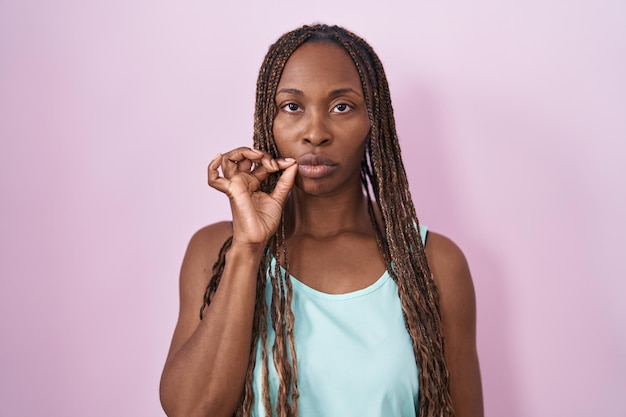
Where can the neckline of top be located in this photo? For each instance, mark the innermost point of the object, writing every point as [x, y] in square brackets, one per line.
[341, 296]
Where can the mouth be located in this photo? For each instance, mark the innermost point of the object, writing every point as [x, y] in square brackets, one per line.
[315, 166]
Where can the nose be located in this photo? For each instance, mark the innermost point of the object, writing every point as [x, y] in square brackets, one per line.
[317, 131]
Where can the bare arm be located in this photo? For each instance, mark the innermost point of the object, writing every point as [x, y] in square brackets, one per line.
[205, 371]
[458, 313]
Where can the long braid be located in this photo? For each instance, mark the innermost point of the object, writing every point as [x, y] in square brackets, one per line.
[410, 269]
[399, 241]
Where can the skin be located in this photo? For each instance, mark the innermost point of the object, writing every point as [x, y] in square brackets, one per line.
[322, 112]
[321, 128]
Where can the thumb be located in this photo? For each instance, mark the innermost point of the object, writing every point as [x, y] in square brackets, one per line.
[284, 184]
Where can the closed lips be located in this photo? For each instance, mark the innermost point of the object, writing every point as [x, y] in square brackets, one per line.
[315, 166]
[311, 159]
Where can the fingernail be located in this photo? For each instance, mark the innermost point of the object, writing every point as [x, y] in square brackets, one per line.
[289, 160]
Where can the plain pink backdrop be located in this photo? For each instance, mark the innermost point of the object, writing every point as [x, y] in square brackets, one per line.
[512, 122]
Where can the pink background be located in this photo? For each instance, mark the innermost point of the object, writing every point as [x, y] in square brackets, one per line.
[512, 119]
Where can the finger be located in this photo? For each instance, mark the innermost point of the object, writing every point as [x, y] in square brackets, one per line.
[242, 153]
[229, 166]
[261, 172]
[245, 165]
[239, 160]
[285, 183]
[269, 162]
[284, 163]
[215, 180]
[212, 169]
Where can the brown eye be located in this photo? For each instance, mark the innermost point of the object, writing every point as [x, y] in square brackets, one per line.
[291, 107]
[341, 108]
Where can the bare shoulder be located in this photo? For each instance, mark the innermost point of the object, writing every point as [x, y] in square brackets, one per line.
[457, 299]
[447, 262]
[211, 235]
[202, 252]
[205, 244]
[196, 271]
[457, 304]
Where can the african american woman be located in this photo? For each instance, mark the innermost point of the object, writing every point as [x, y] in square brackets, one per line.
[324, 296]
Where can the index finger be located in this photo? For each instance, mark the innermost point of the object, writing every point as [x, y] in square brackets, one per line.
[239, 154]
[255, 155]
[215, 180]
[268, 162]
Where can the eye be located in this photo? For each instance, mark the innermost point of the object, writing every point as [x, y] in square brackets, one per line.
[342, 108]
[291, 107]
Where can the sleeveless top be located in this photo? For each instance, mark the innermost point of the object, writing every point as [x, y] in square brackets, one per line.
[355, 356]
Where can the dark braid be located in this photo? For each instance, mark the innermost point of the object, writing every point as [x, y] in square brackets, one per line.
[383, 178]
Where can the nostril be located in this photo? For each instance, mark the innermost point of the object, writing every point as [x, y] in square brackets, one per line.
[316, 142]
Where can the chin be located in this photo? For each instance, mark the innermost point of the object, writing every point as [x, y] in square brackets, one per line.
[320, 187]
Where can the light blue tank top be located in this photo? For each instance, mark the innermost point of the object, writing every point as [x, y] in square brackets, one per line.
[355, 356]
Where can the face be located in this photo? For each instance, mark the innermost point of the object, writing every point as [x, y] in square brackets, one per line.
[321, 118]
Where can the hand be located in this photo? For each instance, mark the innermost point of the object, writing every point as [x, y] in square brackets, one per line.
[256, 215]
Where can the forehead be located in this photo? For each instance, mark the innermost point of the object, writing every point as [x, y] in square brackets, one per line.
[320, 63]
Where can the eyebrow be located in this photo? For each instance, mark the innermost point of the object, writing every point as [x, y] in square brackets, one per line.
[341, 91]
[293, 91]
[333, 93]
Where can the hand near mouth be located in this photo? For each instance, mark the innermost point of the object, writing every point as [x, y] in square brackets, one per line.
[256, 215]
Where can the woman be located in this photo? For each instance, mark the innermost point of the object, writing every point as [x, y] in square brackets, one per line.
[320, 297]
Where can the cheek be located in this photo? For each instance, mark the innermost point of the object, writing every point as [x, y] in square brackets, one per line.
[281, 135]
[282, 126]
[286, 131]
[278, 131]
[362, 122]
[361, 133]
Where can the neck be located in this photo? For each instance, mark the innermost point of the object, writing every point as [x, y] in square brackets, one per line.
[327, 216]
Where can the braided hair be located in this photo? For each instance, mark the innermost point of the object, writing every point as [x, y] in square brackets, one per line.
[384, 180]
